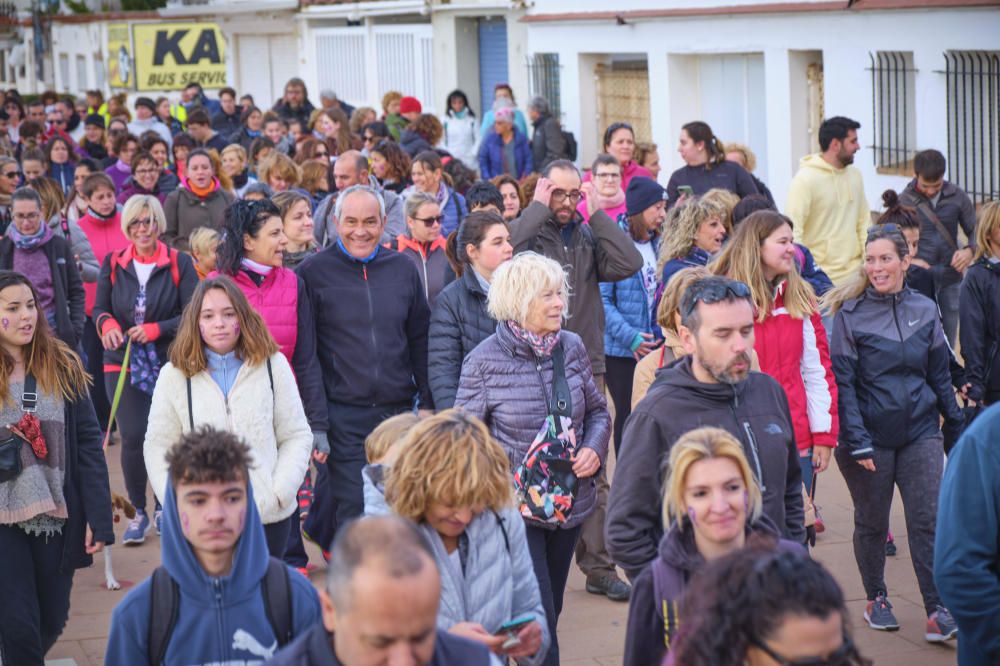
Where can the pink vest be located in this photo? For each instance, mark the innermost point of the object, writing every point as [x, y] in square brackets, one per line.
[277, 301]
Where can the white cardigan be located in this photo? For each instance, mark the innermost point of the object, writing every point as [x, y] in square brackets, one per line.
[273, 424]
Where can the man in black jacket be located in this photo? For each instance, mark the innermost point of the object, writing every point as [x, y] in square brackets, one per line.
[712, 386]
[591, 253]
[371, 319]
[547, 141]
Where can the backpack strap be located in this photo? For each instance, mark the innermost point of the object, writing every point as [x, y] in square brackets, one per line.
[190, 405]
[270, 375]
[175, 269]
[164, 600]
[562, 400]
[275, 588]
[665, 579]
[64, 224]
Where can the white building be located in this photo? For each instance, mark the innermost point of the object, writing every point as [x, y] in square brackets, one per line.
[916, 73]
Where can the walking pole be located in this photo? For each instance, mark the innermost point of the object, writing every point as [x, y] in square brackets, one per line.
[118, 393]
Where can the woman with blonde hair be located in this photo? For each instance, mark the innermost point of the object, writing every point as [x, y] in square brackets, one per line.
[141, 292]
[533, 377]
[237, 168]
[453, 480]
[712, 507]
[693, 233]
[226, 371]
[360, 117]
[789, 336]
[979, 314]
[279, 172]
[890, 358]
[742, 154]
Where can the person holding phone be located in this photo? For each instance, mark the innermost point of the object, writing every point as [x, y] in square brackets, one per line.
[453, 480]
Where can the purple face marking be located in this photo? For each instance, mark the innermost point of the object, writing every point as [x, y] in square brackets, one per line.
[746, 500]
[5, 322]
[691, 515]
[236, 329]
[185, 522]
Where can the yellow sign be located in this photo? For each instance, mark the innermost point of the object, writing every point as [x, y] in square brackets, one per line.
[169, 56]
[121, 69]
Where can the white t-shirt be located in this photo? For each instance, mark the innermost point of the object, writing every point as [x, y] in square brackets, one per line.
[648, 271]
[143, 271]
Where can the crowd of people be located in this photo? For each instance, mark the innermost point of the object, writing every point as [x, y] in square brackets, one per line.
[395, 335]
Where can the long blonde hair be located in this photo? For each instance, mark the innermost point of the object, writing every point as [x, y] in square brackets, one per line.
[741, 260]
[989, 222]
[834, 299]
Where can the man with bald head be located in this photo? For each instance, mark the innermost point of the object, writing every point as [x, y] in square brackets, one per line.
[351, 168]
[371, 319]
[380, 604]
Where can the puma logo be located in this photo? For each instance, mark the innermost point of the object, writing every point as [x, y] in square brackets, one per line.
[911, 323]
[244, 641]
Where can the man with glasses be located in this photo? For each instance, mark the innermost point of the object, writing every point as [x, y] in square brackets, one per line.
[29, 246]
[350, 169]
[591, 253]
[55, 123]
[712, 385]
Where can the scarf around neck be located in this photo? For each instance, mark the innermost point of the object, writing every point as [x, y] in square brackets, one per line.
[22, 242]
[541, 345]
[259, 269]
[615, 200]
[200, 192]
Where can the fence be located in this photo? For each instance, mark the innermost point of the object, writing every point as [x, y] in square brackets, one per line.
[623, 96]
[973, 109]
[893, 111]
[543, 79]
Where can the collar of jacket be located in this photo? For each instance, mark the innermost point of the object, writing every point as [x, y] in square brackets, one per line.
[679, 550]
[161, 255]
[680, 375]
[514, 345]
[471, 281]
[340, 246]
[404, 242]
[872, 294]
[948, 190]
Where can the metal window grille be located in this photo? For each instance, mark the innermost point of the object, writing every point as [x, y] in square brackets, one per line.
[543, 79]
[893, 110]
[973, 110]
[623, 96]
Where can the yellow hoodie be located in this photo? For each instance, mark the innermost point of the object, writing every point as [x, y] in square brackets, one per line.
[831, 215]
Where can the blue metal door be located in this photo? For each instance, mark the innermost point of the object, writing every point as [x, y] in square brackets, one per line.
[492, 59]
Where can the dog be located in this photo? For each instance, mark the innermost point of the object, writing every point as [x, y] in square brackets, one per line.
[118, 504]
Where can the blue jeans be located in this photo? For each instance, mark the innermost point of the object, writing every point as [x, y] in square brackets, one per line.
[806, 463]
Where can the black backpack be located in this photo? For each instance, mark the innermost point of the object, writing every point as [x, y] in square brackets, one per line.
[570, 145]
[164, 600]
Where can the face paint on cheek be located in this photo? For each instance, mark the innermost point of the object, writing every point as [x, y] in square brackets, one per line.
[691, 516]
[243, 519]
[236, 329]
[5, 322]
[185, 522]
[203, 330]
[746, 500]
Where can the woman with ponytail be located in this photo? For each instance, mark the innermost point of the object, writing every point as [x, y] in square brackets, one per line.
[460, 320]
[890, 358]
[706, 166]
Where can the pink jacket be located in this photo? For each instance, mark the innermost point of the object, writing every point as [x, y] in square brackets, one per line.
[277, 301]
[105, 238]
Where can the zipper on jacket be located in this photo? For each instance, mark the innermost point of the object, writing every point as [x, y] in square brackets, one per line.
[219, 616]
[371, 318]
[895, 318]
[756, 454]
[423, 262]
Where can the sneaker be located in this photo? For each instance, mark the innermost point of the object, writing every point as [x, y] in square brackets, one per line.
[890, 545]
[879, 615]
[135, 533]
[941, 626]
[158, 520]
[610, 586]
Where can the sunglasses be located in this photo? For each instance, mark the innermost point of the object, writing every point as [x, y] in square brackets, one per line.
[839, 657]
[11, 174]
[323, 154]
[713, 291]
[430, 221]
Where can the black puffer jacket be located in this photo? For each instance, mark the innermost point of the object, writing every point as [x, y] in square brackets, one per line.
[890, 358]
[459, 322]
[505, 385]
[979, 329]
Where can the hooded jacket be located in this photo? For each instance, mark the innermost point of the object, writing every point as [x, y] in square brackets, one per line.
[891, 359]
[430, 260]
[594, 252]
[269, 419]
[186, 211]
[967, 541]
[219, 620]
[979, 329]
[644, 635]
[492, 163]
[459, 322]
[954, 209]
[755, 411]
[831, 215]
[505, 385]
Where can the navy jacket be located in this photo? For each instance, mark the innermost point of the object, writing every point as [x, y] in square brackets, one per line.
[954, 209]
[491, 161]
[219, 620]
[979, 329]
[727, 176]
[891, 359]
[967, 541]
[371, 321]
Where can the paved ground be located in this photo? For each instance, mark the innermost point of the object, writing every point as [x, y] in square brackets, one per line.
[592, 629]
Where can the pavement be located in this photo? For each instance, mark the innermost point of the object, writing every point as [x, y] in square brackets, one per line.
[591, 628]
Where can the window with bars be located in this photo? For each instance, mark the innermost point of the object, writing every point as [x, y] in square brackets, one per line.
[894, 111]
[973, 110]
[543, 79]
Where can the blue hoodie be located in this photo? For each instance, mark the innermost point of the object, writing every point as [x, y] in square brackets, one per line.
[220, 620]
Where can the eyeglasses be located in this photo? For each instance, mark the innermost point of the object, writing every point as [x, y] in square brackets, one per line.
[369, 138]
[608, 176]
[561, 195]
[323, 154]
[145, 223]
[839, 657]
[430, 221]
[145, 172]
[713, 290]
[27, 217]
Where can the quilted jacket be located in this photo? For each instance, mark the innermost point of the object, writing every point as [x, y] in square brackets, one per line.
[459, 322]
[506, 386]
[626, 312]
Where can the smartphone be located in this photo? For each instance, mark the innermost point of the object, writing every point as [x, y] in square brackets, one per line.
[514, 626]
[685, 190]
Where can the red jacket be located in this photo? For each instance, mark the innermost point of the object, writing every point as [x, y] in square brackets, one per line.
[105, 238]
[277, 301]
[796, 353]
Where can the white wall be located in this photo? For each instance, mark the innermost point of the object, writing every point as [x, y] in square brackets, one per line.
[842, 39]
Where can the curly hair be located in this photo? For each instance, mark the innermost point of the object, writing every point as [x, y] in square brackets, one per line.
[242, 218]
[742, 599]
[429, 127]
[397, 161]
[681, 227]
[450, 459]
[207, 455]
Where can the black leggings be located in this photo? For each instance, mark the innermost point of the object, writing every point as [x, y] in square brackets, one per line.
[132, 417]
[619, 374]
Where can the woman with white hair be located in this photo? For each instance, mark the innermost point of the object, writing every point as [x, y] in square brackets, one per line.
[532, 384]
[141, 292]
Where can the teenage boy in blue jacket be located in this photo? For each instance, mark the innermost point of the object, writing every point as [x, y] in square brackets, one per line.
[213, 549]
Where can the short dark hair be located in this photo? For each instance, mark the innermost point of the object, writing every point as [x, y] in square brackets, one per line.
[207, 455]
[141, 157]
[227, 91]
[564, 165]
[393, 544]
[484, 193]
[750, 204]
[26, 194]
[929, 164]
[606, 160]
[96, 181]
[724, 290]
[198, 116]
[835, 128]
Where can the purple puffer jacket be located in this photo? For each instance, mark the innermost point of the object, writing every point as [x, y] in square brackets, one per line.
[500, 384]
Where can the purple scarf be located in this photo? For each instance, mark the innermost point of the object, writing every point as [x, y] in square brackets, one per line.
[542, 345]
[22, 242]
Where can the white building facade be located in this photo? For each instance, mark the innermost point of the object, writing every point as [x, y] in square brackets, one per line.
[916, 74]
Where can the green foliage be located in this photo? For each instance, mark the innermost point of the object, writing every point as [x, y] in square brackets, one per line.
[142, 5]
[77, 6]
